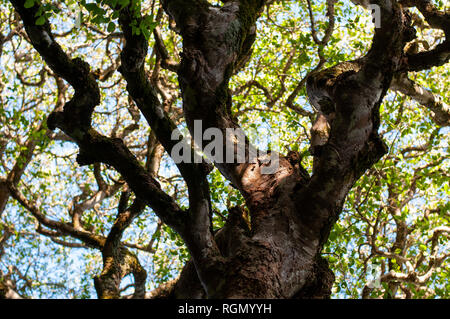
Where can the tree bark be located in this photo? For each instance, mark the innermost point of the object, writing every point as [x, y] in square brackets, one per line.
[277, 254]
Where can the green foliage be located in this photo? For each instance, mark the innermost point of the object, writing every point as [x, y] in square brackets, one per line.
[99, 15]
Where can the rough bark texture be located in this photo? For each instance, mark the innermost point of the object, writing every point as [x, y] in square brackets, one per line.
[291, 214]
[277, 254]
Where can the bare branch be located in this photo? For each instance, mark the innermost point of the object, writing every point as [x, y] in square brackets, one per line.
[441, 110]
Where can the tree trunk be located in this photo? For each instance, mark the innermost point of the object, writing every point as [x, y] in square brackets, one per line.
[278, 255]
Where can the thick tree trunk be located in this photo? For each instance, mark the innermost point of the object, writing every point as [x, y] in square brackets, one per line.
[278, 256]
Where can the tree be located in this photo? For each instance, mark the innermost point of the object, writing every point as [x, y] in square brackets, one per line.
[336, 186]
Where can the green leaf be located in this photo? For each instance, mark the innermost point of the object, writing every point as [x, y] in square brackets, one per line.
[146, 33]
[91, 7]
[111, 26]
[123, 3]
[29, 4]
[40, 20]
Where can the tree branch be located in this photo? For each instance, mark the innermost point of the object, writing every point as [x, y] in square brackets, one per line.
[75, 120]
[441, 53]
[196, 230]
[348, 96]
[441, 110]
